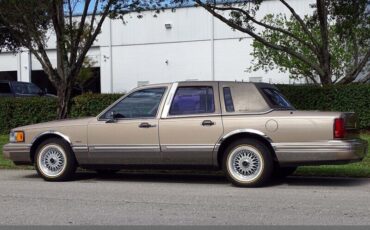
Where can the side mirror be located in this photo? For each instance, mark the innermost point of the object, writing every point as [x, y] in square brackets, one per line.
[112, 117]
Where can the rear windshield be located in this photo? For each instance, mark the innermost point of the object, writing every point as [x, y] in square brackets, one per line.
[276, 99]
[25, 88]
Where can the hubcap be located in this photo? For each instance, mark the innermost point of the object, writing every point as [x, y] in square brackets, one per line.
[245, 163]
[52, 160]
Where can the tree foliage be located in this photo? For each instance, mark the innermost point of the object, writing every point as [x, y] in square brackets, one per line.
[31, 23]
[331, 45]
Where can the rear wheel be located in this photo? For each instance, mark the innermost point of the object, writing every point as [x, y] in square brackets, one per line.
[248, 163]
[55, 161]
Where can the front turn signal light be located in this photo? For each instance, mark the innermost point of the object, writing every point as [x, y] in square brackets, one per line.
[16, 136]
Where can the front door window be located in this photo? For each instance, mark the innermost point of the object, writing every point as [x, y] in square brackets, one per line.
[140, 104]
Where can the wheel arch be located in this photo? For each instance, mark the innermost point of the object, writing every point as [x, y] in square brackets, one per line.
[238, 134]
[44, 136]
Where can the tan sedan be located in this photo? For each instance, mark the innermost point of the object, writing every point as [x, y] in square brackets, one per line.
[247, 129]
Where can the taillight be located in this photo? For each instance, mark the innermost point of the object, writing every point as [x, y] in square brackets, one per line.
[339, 129]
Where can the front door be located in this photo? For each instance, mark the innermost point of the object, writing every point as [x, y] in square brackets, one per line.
[127, 133]
[191, 125]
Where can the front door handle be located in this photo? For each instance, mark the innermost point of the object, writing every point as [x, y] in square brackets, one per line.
[208, 123]
[146, 125]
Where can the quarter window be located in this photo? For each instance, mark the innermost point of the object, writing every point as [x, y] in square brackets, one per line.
[140, 104]
[229, 105]
[193, 100]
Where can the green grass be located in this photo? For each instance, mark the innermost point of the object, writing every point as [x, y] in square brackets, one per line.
[3, 162]
[361, 169]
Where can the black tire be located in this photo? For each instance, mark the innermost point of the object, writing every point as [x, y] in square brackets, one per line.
[69, 161]
[283, 172]
[263, 173]
[106, 172]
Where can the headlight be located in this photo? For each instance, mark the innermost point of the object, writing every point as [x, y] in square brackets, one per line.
[16, 136]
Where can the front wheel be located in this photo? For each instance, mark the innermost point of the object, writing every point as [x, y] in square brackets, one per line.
[55, 160]
[248, 163]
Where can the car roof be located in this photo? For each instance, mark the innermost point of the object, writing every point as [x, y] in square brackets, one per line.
[7, 81]
[257, 84]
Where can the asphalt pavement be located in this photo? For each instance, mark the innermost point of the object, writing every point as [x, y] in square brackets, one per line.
[130, 198]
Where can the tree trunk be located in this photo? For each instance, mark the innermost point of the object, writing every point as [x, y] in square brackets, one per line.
[64, 100]
[325, 62]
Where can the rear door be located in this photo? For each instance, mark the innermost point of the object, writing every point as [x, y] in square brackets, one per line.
[191, 124]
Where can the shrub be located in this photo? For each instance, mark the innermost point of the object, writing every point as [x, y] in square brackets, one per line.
[345, 98]
[91, 104]
[16, 112]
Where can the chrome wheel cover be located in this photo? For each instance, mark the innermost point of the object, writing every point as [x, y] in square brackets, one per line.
[52, 160]
[245, 163]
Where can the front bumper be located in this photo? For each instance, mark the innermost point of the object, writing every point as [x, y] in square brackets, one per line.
[18, 153]
[328, 152]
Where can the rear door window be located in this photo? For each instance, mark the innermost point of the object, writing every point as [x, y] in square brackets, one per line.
[193, 100]
[25, 88]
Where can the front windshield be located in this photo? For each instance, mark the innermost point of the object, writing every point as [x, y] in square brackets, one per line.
[277, 99]
[25, 88]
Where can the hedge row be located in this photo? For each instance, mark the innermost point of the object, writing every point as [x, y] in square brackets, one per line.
[345, 98]
[16, 112]
[22, 111]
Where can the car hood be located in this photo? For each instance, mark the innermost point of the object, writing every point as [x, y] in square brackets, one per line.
[58, 123]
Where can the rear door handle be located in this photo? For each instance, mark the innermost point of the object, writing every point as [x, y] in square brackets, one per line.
[146, 125]
[208, 123]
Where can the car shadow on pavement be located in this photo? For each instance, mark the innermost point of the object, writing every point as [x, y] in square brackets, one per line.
[215, 178]
[207, 178]
[166, 177]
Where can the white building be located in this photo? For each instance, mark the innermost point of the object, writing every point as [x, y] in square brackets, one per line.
[188, 44]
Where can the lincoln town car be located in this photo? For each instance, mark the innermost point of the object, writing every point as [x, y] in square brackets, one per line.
[248, 130]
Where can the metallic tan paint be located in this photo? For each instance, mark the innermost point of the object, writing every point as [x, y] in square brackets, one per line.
[184, 140]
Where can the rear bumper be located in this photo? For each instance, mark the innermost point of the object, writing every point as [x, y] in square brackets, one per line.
[328, 152]
[18, 153]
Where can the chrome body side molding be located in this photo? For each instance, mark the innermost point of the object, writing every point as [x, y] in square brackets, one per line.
[65, 137]
[234, 132]
[124, 148]
[250, 131]
[187, 148]
[81, 153]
